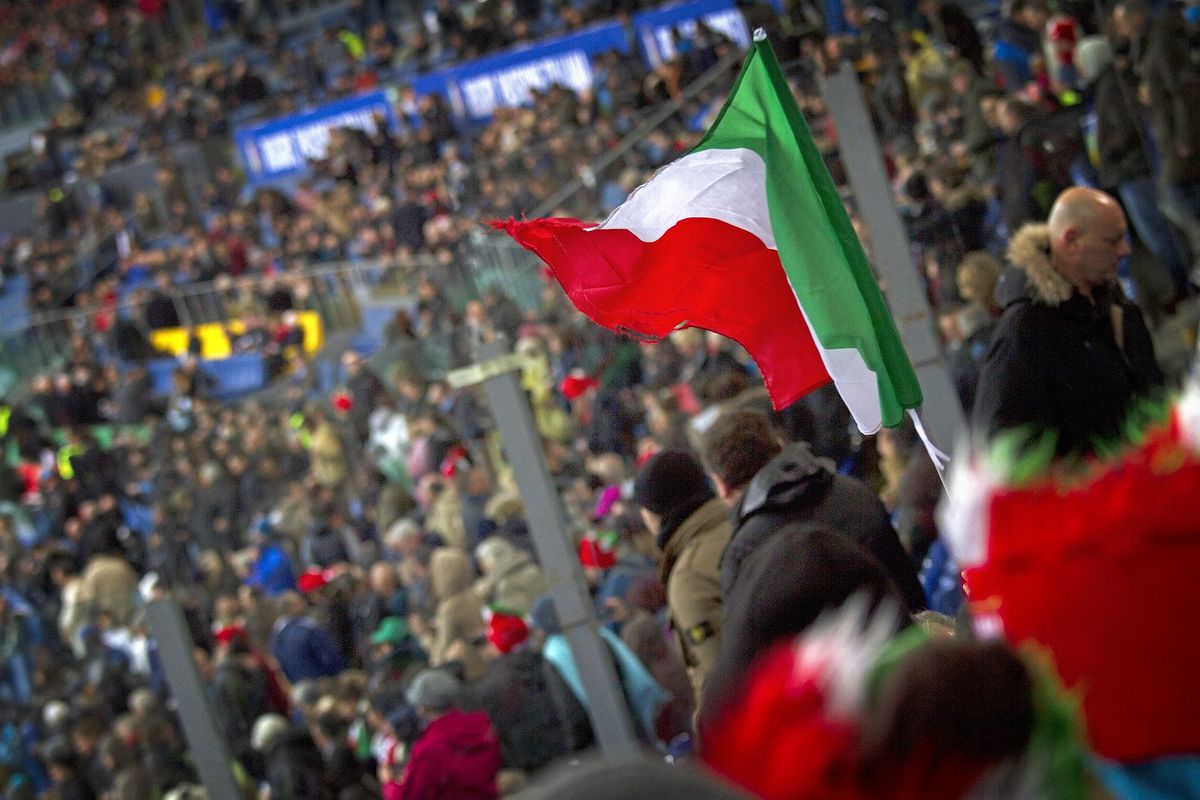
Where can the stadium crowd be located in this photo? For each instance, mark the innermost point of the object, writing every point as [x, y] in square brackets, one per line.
[355, 568]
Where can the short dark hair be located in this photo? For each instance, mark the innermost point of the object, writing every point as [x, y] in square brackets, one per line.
[738, 445]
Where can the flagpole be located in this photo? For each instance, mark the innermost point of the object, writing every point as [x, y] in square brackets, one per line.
[861, 155]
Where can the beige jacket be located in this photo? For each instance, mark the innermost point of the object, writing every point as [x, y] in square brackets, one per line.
[690, 567]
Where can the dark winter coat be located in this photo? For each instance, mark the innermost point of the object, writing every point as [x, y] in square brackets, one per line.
[239, 697]
[1118, 138]
[784, 586]
[295, 768]
[1056, 362]
[519, 694]
[1174, 83]
[965, 362]
[1018, 169]
[305, 651]
[796, 487]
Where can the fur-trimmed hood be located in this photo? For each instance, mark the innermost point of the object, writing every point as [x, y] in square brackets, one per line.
[1034, 278]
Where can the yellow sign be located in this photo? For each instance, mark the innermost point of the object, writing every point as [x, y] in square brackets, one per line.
[214, 336]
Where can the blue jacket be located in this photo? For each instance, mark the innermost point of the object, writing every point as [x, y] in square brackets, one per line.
[272, 571]
[305, 651]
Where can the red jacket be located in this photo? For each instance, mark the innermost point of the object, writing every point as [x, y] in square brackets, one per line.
[457, 758]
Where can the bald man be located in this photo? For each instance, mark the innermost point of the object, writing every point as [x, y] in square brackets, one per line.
[1071, 351]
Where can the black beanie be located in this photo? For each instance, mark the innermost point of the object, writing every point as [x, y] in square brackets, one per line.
[670, 480]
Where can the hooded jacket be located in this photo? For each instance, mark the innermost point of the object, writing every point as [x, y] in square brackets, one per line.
[459, 613]
[515, 580]
[329, 465]
[457, 758]
[796, 486]
[1058, 361]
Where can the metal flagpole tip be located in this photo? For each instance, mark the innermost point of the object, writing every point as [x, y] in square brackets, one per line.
[760, 35]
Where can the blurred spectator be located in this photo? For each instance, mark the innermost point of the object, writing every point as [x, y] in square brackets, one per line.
[458, 755]
[1055, 323]
[768, 486]
[691, 529]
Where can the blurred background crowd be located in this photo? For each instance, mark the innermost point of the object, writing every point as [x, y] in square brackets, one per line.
[347, 542]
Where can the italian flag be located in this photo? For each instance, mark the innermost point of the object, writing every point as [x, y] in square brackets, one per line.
[746, 236]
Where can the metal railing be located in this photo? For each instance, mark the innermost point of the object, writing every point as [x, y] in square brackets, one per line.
[726, 67]
[28, 103]
[333, 291]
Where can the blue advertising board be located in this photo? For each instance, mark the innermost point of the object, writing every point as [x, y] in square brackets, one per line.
[657, 30]
[282, 147]
[476, 89]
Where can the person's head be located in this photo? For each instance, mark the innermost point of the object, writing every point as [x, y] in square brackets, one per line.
[451, 572]
[328, 727]
[1088, 238]
[143, 703]
[86, 734]
[1032, 14]
[494, 553]
[1012, 114]
[267, 731]
[1092, 56]
[403, 538]
[916, 188]
[61, 761]
[633, 778]
[545, 615]
[948, 702]
[977, 276]
[506, 632]
[61, 568]
[291, 604]
[670, 485]
[856, 12]
[115, 754]
[1129, 19]
[382, 578]
[434, 693]
[735, 448]
[349, 693]
[55, 715]
[688, 341]
[961, 78]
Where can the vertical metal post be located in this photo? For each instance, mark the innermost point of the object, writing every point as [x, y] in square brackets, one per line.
[182, 312]
[210, 753]
[547, 520]
[860, 153]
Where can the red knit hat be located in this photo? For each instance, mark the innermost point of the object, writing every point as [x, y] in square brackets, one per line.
[456, 460]
[227, 633]
[597, 553]
[506, 631]
[312, 580]
[1060, 559]
[576, 384]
